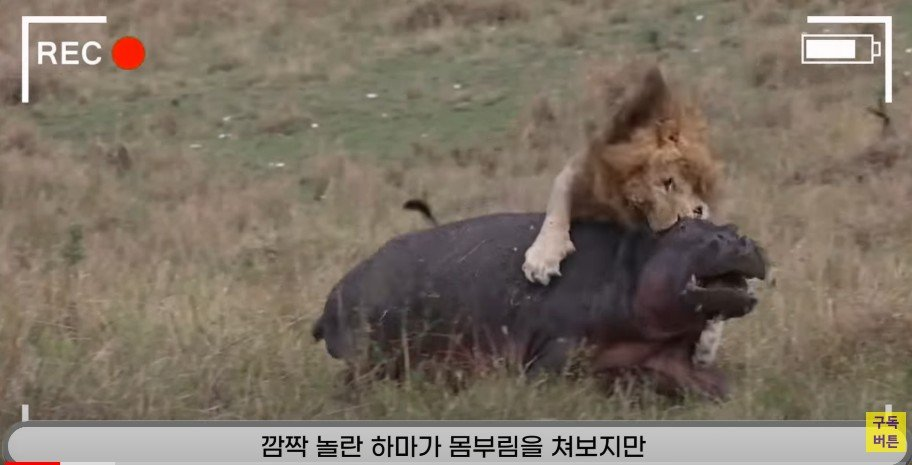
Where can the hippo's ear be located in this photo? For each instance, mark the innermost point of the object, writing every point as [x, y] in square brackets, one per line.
[650, 102]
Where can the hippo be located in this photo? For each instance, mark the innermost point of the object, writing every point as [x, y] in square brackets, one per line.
[629, 300]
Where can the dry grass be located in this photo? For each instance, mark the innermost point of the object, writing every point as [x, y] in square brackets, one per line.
[437, 13]
[181, 282]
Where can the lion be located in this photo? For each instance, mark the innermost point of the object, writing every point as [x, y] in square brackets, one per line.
[650, 165]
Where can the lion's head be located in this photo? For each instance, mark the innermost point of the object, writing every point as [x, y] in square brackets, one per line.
[658, 156]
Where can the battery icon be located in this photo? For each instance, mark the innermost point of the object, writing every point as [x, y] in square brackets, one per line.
[837, 49]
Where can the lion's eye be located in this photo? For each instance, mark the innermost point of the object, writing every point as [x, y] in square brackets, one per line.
[668, 183]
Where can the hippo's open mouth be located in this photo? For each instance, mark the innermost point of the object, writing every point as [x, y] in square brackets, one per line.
[722, 289]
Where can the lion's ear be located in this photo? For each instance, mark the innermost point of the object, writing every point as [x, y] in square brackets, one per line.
[649, 102]
[667, 131]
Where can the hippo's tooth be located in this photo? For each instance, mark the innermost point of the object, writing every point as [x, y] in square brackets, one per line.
[699, 308]
[692, 284]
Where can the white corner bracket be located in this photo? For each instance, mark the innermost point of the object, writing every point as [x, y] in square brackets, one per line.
[27, 20]
[887, 22]
[25, 412]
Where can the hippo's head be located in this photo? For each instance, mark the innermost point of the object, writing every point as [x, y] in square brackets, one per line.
[700, 268]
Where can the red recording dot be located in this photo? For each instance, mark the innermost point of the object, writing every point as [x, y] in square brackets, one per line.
[128, 53]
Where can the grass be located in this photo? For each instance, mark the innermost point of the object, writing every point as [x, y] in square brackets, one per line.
[181, 283]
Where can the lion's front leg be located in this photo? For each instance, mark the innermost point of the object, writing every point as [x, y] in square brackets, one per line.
[553, 241]
[544, 256]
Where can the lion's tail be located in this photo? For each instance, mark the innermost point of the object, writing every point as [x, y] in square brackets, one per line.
[422, 207]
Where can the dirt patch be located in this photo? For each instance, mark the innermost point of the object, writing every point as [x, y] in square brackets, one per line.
[9, 80]
[18, 136]
[435, 13]
[41, 84]
[881, 156]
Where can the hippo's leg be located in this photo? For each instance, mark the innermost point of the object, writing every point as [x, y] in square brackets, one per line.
[553, 357]
[354, 380]
[677, 374]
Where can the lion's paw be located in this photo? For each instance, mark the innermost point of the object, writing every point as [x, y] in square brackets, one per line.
[544, 257]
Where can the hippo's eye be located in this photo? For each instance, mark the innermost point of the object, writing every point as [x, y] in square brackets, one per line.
[668, 183]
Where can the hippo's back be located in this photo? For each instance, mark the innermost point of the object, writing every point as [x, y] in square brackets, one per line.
[465, 279]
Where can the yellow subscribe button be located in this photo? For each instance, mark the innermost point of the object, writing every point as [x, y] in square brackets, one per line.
[885, 432]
